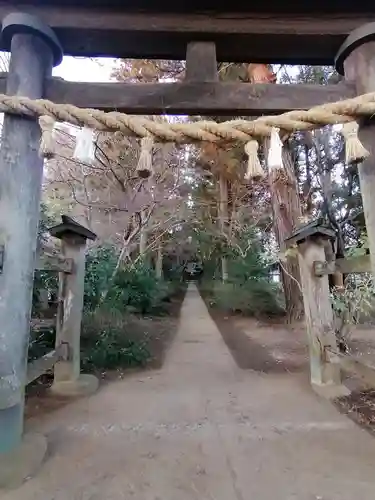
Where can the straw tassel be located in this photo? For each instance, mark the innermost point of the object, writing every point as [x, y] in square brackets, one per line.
[144, 168]
[354, 150]
[84, 150]
[47, 143]
[275, 151]
[254, 168]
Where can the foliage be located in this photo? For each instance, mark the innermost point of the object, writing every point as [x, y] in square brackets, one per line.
[147, 70]
[328, 186]
[100, 264]
[248, 289]
[112, 340]
[111, 336]
[353, 304]
[255, 297]
[42, 341]
[362, 247]
[319, 75]
[138, 290]
[172, 270]
[134, 289]
[243, 250]
[46, 221]
[251, 267]
[109, 340]
[43, 280]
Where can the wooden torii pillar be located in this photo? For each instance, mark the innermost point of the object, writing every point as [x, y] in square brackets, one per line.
[34, 51]
[356, 60]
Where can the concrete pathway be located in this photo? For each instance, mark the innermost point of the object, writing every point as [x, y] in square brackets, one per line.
[201, 428]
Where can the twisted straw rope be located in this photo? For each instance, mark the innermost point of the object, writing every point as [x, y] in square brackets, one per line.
[234, 130]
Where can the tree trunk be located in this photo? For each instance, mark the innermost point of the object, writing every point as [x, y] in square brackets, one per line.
[223, 221]
[286, 209]
[159, 262]
[143, 235]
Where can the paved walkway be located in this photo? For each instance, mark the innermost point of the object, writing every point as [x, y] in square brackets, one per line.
[201, 428]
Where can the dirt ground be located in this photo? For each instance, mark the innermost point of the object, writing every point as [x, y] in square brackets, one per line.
[204, 428]
[274, 347]
[360, 405]
[268, 346]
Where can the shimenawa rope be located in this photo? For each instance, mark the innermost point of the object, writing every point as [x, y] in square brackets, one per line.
[345, 111]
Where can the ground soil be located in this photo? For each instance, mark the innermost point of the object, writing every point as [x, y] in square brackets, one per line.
[263, 346]
[274, 347]
[360, 404]
[204, 428]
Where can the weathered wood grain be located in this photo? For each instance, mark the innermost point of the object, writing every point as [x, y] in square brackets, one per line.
[41, 365]
[42, 323]
[359, 69]
[54, 263]
[21, 171]
[318, 314]
[210, 98]
[239, 36]
[201, 64]
[361, 264]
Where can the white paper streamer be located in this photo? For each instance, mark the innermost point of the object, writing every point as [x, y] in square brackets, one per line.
[275, 158]
[84, 150]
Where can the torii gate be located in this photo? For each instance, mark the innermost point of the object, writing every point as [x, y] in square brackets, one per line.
[38, 35]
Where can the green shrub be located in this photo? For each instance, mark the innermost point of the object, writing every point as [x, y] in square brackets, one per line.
[172, 270]
[175, 288]
[111, 340]
[241, 270]
[138, 291]
[254, 298]
[100, 264]
[134, 289]
[247, 289]
[43, 280]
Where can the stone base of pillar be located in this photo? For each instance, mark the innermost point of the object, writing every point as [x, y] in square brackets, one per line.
[84, 386]
[23, 462]
[330, 391]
